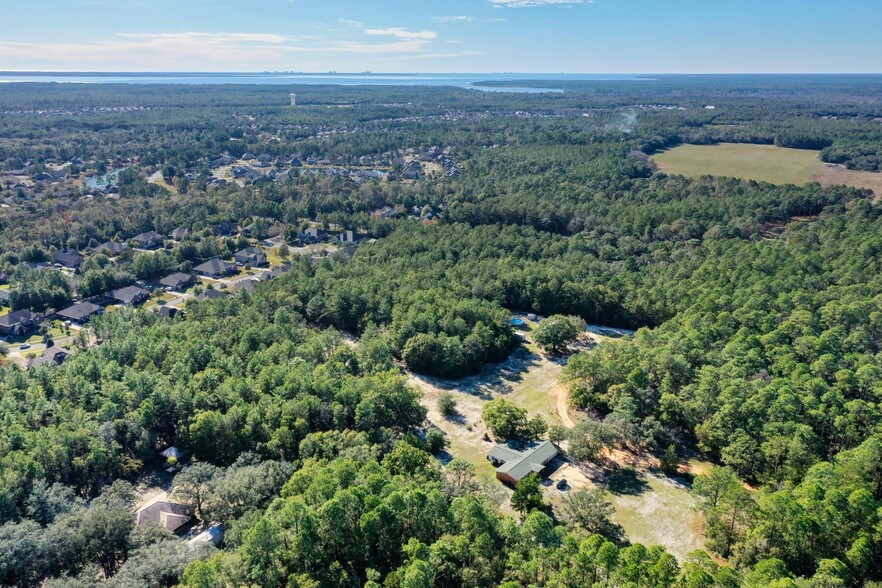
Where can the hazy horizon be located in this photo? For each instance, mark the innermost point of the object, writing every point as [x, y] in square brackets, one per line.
[463, 36]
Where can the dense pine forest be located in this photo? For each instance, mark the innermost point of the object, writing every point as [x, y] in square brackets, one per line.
[757, 310]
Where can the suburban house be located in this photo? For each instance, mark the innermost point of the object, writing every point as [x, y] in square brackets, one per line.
[129, 295]
[68, 258]
[179, 233]
[148, 240]
[215, 268]
[211, 295]
[224, 229]
[169, 312]
[111, 248]
[251, 255]
[52, 356]
[515, 462]
[177, 281]
[222, 161]
[412, 171]
[80, 313]
[272, 274]
[165, 513]
[348, 238]
[19, 322]
[244, 286]
[384, 213]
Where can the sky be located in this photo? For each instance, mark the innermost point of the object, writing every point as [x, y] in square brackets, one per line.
[453, 36]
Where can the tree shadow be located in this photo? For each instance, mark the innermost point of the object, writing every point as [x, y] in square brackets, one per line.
[444, 456]
[456, 418]
[494, 379]
[626, 481]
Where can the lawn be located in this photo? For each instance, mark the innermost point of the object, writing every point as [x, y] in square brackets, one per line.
[657, 511]
[652, 510]
[766, 163]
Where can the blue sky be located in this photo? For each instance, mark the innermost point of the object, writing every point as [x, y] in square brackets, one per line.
[574, 36]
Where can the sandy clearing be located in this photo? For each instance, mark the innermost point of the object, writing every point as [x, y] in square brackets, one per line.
[834, 175]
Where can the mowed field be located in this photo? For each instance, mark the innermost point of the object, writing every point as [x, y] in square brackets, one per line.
[764, 163]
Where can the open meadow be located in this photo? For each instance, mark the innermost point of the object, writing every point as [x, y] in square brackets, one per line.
[763, 163]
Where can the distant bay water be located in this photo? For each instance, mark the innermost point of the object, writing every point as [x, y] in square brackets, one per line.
[502, 82]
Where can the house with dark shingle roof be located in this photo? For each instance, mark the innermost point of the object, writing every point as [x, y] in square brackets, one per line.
[179, 233]
[515, 462]
[222, 161]
[52, 356]
[129, 295]
[211, 294]
[111, 248]
[169, 312]
[177, 281]
[215, 268]
[19, 322]
[224, 229]
[273, 274]
[251, 255]
[164, 513]
[148, 240]
[80, 313]
[68, 258]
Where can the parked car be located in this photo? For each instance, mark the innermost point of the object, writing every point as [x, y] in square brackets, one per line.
[24, 346]
[562, 484]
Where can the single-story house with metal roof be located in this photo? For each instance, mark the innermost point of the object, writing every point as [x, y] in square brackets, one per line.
[515, 462]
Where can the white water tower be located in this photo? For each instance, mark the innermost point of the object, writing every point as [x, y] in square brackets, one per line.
[293, 97]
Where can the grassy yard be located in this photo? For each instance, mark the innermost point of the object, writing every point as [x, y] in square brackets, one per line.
[765, 163]
[657, 511]
[652, 510]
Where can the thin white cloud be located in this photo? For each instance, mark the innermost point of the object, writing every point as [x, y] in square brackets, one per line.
[402, 33]
[464, 18]
[196, 51]
[534, 3]
[214, 38]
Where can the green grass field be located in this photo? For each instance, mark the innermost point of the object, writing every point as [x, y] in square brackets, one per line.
[765, 163]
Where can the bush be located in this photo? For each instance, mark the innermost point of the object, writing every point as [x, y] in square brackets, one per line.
[446, 404]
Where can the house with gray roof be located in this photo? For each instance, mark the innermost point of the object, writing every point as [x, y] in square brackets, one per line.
[215, 268]
[52, 356]
[68, 258]
[251, 255]
[211, 294]
[80, 313]
[164, 513]
[514, 462]
[177, 281]
[19, 322]
[129, 295]
[111, 248]
[148, 240]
